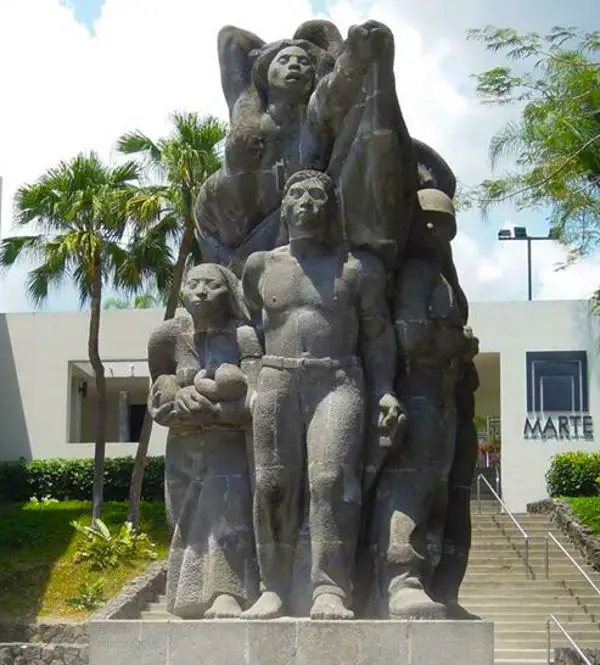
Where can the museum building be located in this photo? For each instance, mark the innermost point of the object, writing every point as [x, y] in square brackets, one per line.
[538, 366]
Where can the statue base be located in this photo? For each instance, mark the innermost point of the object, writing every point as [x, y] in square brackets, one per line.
[291, 642]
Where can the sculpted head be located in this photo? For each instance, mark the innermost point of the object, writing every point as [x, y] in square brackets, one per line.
[439, 216]
[292, 71]
[307, 203]
[212, 295]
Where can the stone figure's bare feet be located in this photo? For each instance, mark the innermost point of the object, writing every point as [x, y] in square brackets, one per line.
[268, 606]
[414, 603]
[224, 607]
[329, 606]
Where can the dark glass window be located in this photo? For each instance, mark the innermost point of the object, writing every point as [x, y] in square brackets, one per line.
[557, 381]
[136, 418]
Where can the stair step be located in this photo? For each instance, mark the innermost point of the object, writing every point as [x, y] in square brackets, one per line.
[157, 616]
[572, 626]
[502, 655]
[583, 636]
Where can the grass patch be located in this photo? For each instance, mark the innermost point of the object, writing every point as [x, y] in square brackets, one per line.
[37, 544]
[587, 511]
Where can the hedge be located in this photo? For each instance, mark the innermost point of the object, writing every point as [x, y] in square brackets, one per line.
[574, 474]
[71, 479]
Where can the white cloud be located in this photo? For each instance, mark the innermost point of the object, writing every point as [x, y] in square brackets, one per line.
[66, 91]
[499, 272]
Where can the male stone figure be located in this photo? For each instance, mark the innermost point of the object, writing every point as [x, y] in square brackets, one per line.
[325, 320]
[412, 491]
[450, 571]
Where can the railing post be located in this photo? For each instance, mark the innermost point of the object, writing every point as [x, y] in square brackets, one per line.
[548, 647]
[479, 493]
[547, 559]
[526, 558]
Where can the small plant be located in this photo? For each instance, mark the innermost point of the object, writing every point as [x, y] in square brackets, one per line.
[104, 550]
[45, 500]
[90, 595]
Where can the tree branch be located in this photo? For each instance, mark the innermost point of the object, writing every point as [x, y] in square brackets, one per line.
[549, 177]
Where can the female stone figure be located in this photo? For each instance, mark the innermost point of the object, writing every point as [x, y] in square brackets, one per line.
[201, 366]
[300, 104]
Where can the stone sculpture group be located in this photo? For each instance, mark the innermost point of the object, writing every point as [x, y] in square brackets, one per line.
[320, 394]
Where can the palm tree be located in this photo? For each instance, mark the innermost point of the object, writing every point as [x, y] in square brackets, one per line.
[78, 211]
[176, 167]
[148, 297]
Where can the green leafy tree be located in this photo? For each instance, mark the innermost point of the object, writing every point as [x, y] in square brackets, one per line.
[148, 298]
[176, 166]
[77, 217]
[554, 146]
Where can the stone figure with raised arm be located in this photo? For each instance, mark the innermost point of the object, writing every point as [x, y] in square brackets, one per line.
[412, 493]
[288, 102]
[330, 361]
[203, 367]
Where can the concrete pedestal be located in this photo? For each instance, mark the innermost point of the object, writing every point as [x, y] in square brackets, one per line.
[291, 642]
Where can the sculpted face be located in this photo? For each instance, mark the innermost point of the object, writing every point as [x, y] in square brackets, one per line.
[292, 71]
[205, 292]
[304, 209]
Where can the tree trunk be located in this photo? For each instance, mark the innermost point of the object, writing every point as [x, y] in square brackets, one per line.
[137, 477]
[98, 367]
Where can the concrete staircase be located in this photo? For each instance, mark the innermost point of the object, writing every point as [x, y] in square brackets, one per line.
[495, 587]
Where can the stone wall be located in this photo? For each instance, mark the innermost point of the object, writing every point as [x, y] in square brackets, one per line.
[48, 654]
[581, 536]
[568, 656]
[136, 595]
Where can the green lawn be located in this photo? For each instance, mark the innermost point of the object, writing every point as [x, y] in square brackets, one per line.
[587, 510]
[37, 543]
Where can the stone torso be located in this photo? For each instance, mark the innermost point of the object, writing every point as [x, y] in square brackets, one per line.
[205, 350]
[309, 305]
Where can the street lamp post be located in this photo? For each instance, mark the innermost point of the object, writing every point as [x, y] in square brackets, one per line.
[520, 233]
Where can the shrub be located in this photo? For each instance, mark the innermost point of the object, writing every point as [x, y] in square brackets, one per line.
[90, 595]
[574, 474]
[71, 479]
[103, 549]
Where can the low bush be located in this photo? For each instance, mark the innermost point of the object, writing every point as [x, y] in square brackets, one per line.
[103, 549]
[587, 511]
[574, 474]
[71, 479]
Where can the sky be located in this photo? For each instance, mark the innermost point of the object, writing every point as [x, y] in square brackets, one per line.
[76, 74]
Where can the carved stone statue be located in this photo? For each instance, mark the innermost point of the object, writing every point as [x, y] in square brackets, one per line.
[412, 493]
[330, 360]
[323, 418]
[202, 367]
[317, 102]
[451, 568]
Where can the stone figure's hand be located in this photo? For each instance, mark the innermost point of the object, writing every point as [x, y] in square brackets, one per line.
[367, 40]
[189, 402]
[166, 414]
[391, 415]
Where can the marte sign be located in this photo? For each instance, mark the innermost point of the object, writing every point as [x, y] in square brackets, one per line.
[573, 426]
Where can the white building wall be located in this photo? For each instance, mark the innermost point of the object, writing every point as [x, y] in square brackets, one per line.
[512, 329]
[36, 349]
[35, 352]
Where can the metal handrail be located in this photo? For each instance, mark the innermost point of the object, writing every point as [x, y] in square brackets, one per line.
[481, 477]
[571, 559]
[549, 621]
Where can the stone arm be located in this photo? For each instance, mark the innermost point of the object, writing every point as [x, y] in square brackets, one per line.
[161, 349]
[337, 92]
[251, 352]
[414, 287]
[162, 364]
[376, 333]
[251, 277]
[235, 47]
